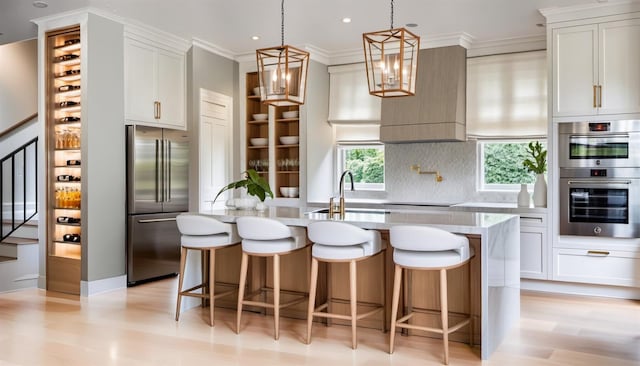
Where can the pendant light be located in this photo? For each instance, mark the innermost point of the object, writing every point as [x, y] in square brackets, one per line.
[282, 72]
[391, 57]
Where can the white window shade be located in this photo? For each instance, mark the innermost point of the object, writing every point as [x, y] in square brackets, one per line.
[349, 98]
[507, 95]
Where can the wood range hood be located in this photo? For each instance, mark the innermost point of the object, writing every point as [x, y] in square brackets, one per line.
[438, 110]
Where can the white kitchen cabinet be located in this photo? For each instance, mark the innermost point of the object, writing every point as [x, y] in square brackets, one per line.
[154, 85]
[595, 68]
[597, 266]
[533, 246]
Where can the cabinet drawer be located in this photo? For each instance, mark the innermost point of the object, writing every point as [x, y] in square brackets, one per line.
[597, 266]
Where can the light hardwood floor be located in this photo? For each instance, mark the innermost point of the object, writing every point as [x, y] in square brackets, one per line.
[136, 327]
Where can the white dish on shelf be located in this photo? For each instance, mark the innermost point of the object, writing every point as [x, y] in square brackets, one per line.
[289, 140]
[259, 141]
[260, 117]
[291, 192]
[290, 114]
[256, 91]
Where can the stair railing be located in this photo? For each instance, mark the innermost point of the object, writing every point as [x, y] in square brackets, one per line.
[19, 187]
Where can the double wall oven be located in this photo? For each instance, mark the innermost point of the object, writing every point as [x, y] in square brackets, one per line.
[600, 178]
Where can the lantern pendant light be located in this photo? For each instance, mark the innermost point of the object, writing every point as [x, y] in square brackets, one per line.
[282, 72]
[391, 57]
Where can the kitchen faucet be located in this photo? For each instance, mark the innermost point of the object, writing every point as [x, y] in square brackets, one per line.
[341, 185]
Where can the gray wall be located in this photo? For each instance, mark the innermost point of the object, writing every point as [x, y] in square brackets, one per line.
[103, 154]
[219, 74]
[18, 82]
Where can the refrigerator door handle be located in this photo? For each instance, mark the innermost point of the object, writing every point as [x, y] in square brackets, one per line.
[158, 172]
[168, 177]
[148, 221]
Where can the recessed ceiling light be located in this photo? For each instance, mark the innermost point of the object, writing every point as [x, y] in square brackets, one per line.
[411, 25]
[40, 4]
[346, 20]
[255, 38]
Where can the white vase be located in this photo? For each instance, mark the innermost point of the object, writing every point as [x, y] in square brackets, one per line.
[540, 192]
[261, 206]
[523, 197]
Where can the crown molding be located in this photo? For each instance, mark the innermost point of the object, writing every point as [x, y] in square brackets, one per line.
[568, 13]
[140, 31]
[207, 46]
[437, 40]
[510, 45]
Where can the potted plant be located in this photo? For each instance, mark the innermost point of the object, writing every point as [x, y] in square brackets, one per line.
[537, 163]
[254, 184]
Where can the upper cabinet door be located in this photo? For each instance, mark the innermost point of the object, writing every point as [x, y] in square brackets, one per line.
[154, 85]
[619, 67]
[140, 79]
[171, 91]
[575, 71]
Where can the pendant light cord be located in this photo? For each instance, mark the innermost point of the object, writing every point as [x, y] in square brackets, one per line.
[391, 14]
[282, 23]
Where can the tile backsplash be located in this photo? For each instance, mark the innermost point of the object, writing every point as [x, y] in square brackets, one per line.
[456, 162]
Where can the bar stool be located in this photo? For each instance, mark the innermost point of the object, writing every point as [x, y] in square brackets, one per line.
[430, 249]
[264, 237]
[339, 242]
[205, 234]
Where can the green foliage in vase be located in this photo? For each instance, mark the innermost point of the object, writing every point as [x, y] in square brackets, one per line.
[537, 162]
[253, 182]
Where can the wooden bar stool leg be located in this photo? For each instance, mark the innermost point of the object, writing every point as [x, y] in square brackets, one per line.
[276, 295]
[243, 279]
[183, 262]
[353, 301]
[470, 307]
[397, 278]
[204, 266]
[212, 284]
[384, 291]
[444, 313]
[313, 285]
[329, 292]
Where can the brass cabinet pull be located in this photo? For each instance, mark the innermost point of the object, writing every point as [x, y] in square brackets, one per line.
[595, 99]
[599, 96]
[156, 110]
[597, 252]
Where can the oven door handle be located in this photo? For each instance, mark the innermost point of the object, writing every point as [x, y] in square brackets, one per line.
[624, 136]
[600, 183]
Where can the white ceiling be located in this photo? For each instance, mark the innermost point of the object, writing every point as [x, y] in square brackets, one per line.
[230, 24]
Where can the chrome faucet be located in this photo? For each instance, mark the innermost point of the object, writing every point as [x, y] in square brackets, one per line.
[341, 184]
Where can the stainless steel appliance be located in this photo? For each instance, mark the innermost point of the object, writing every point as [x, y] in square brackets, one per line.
[600, 202]
[599, 144]
[157, 191]
[600, 178]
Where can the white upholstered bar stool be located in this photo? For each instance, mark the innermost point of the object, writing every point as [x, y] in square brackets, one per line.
[339, 242]
[265, 237]
[206, 235]
[430, 249]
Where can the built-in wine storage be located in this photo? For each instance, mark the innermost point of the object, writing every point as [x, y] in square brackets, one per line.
[64, 180]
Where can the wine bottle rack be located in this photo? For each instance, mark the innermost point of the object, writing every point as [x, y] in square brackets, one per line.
[64, 165]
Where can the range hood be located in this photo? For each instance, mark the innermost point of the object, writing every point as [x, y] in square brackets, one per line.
[438, 110]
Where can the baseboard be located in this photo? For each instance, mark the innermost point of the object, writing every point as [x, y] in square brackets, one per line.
[571, 288]
[90, 288]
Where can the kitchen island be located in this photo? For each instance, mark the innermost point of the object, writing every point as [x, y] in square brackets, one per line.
[495, 270]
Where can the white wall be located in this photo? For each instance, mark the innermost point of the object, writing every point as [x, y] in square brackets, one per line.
[18, 82]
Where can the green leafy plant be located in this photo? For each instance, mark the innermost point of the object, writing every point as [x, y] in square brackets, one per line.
[537, 162]
[253, 182]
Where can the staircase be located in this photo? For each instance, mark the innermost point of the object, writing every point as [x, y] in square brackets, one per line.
[19, 230]
[19, 258]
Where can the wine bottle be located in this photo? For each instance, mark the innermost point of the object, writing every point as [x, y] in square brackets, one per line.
[68, 72]
[74, 238]
[65, 88]
[73, 162]
[70, 119]
[67, 178]
[67, 57]
[69, 42]
[68, 103]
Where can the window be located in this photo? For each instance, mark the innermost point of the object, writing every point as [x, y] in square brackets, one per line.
[501, 164]
[366, 163]
[507, 107]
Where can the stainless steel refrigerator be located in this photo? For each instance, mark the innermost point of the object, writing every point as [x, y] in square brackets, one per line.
[157, 191]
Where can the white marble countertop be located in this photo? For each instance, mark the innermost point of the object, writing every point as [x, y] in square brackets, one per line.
[380, 219]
